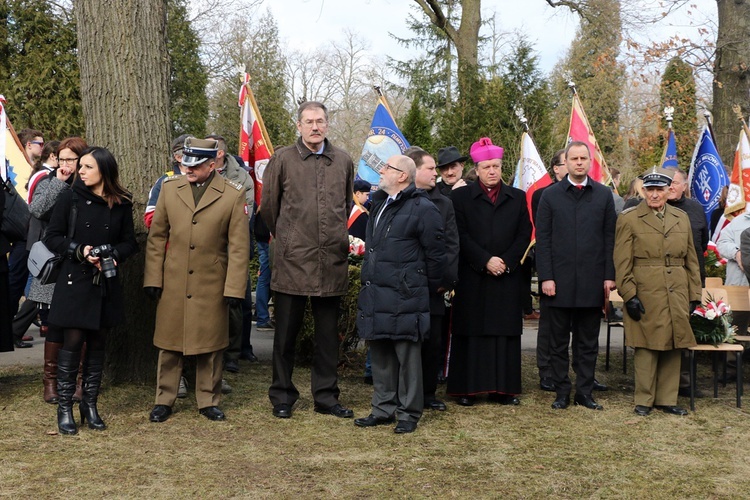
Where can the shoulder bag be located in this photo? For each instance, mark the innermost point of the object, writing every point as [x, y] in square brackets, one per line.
[44, 264]
[15, 224]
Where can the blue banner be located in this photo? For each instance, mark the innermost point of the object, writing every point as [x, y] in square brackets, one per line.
[669, 158]
[707, 174]
[383, 141]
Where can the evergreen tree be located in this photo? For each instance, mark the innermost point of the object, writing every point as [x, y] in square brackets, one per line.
[188, 104]
[417, 128]
[592, 64]
[39, 69]
[678, 90]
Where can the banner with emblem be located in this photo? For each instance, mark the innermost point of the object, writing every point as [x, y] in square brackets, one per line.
[255, 146]
[13, 162]
[669, 158]
[739, 187]
[707, 175]
[531, 174]
[383, 141]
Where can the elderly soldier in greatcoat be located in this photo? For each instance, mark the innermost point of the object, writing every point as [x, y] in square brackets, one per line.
[197, 254]
[659, 279]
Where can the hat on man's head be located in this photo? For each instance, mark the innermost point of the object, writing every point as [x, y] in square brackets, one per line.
[657, 177]
[196, 151]
[362, 186]
[449, 155]
[484, 150]
[179, 143]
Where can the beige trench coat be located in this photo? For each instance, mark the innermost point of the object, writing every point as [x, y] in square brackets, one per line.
[198, 256]
[658, 264]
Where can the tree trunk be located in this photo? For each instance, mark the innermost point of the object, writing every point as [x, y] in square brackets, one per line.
[122, 52]
[731, 78]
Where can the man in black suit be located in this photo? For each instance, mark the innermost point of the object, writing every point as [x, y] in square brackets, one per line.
[575, 230]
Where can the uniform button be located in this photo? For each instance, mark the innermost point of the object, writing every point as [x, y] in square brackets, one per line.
[669, 271]
[670, 290]
[192, 247]
[190, 296]
[367, 283]
[195, 222]
[190, 272]
[106, 226]
[88, 224]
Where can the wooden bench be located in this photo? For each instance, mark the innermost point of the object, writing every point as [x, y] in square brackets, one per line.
[715, 351]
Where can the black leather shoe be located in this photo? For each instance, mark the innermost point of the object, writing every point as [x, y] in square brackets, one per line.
[561, 403]
[435, 404]
[372, 421]
[20, 344]
[504, 399]
[282, 411]
[642, 411]
[212, 413]
[336, 410]
[546, 384]
[685, 392]
[465, 400]
[160, 413]
[249, 356]
[598, 386]
[232, 366]
[405, 427]
[672, 410]
[587, 401]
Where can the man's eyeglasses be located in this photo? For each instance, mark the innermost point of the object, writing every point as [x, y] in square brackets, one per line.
[388, 165]
[38, 143]
[309, 123]
[559, 164]
[67, 160]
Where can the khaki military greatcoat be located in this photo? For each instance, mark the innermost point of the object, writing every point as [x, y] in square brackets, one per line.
[657, 262]
[198, 255]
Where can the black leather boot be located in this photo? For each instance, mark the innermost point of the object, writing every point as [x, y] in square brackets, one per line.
[67, 371]
[92, 380]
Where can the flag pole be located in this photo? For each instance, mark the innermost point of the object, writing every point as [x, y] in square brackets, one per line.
[383, 100]
[738, 111]
[707, 116]
[251, 97]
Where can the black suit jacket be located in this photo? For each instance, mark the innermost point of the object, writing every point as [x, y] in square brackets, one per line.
[575, 238]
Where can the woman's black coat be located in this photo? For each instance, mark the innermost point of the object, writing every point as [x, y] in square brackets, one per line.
[487, 305]
[78, 302]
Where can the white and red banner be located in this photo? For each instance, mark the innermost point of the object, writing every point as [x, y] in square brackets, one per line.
[13, 162]
[531, 173]
[580, 130]
[739, 182]
[255, 146]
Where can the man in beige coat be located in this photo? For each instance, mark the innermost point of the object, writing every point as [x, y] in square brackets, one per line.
[197, 254]
[307, 190]
[658, 277]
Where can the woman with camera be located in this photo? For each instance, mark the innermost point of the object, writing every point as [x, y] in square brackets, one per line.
[88, 297]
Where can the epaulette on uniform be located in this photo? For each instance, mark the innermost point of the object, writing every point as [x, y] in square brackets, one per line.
[628, 210]
[171, 178]
[235, 185]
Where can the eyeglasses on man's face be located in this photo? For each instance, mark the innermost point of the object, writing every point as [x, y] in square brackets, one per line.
[320, 123]
[388, 165]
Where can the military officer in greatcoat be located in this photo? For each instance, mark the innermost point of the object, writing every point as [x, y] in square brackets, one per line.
[196, 266]
[658, 277]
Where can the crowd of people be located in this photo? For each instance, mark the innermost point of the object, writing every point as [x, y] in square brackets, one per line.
[445, 279]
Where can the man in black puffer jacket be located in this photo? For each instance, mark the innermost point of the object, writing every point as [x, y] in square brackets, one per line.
[404, 262]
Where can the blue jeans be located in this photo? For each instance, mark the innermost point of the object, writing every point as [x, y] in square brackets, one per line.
[263, 289]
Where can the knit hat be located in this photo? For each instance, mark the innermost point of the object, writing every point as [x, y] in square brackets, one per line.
[484, 150]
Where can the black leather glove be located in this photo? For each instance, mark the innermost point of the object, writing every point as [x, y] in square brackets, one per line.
[635, 308]
[694, 304]
[233, 301]
[153, 292]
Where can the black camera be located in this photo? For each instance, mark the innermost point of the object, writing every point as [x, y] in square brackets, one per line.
[107, 261]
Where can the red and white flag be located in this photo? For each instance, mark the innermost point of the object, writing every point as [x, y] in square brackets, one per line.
[531, 174]
[255, 147]
[739, 187]
[580, 130]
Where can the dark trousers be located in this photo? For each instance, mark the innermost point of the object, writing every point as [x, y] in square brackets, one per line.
[543, 341]
[527, 271]
[432, 356]
[247, 320]
[289, 313]
[238, 316]
[23, 318]
[18, 273]
[584, 322]
[397, 379]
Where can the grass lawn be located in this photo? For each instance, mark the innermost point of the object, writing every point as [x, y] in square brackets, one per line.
[528, 451]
